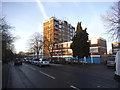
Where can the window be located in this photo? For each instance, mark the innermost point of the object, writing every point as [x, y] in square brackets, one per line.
[69, 51]
[71, 38]
[56, 27]
[94, 41]
[71, 34]
[49, 25]
[115, 50]
[116, 45]
[36, 59]
[93, 49]
[60, 22]
[60, 26]
[64, 45]
[55, 23]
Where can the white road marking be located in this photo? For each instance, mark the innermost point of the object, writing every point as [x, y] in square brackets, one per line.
[74, 87]
[47, 75]
[98, 86]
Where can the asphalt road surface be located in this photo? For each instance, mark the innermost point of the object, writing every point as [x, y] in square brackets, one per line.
[61, 76]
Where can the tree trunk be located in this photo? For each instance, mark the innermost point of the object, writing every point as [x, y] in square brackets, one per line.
[37, 54]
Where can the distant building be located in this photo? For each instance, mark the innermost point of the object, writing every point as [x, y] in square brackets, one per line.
[57, 31]
[98, 46]
[115, 47]
[98, 50]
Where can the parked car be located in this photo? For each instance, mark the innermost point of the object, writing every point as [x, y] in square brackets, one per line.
[44, 62]
[54, 60]
[26, 60]
[18, 61]
[30, 61]
[35, 61]
[111, 61]
[62, 60]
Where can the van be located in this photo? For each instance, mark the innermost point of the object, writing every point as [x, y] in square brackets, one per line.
[117, 67]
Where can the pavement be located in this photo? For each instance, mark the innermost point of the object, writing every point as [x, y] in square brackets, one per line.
[61, 76]
[4, 70]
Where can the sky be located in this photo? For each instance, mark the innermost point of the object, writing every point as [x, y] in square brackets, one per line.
[28, 18]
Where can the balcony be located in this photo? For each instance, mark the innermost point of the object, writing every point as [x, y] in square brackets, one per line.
[55, 27]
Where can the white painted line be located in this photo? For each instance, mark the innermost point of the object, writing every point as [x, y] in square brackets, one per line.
[98, 86]
[32, 68]
[47, 75]
[74, 87]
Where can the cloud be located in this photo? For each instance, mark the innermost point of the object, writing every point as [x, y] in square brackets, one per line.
[40, 27]
[42, 10]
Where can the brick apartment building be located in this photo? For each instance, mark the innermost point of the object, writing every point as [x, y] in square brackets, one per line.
[61, 32]
[63, 50]
[98, 50]
[57, 31]
[115, 47]
[98, 46]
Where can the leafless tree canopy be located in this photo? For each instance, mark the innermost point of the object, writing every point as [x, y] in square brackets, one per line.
[6, 40]
[36, 43]
[112, 21]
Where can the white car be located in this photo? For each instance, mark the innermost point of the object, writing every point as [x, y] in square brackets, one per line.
[35, 61]
[44, 62]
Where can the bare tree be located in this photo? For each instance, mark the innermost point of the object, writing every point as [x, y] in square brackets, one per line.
[7, 39]
[36, 43]
[49, 45]
[112, 21]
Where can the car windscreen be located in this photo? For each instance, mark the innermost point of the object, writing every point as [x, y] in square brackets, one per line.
[45, 60]
[111, 59]
[36, 59]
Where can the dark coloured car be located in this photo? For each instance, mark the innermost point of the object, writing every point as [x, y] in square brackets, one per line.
[111, 61]
[18, 61]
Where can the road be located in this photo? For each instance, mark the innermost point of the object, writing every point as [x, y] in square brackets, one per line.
[61, 76]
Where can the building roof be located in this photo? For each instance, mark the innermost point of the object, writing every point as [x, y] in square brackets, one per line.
[115, 42]
[98, 38]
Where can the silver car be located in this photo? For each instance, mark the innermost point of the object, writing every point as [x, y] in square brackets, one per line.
[35, 61]
[44, 62]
